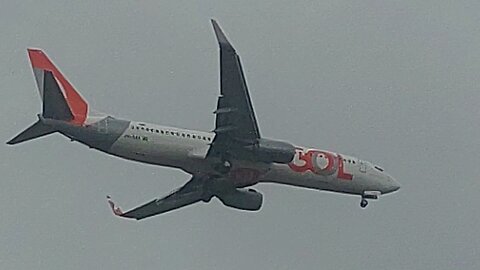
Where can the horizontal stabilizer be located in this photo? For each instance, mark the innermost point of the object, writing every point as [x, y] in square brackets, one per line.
[36, 130]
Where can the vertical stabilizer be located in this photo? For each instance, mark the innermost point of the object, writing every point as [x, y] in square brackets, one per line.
[55, 105]
[50, 80]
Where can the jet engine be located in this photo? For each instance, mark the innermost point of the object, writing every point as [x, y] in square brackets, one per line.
[273, 151]
[250, 199]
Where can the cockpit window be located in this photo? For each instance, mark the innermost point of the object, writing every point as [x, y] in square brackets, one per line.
[378, 168]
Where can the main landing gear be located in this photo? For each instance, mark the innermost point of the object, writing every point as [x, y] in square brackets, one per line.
[207, 196]
[224, 167]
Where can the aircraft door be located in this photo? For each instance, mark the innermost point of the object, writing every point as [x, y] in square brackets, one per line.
[363, 166]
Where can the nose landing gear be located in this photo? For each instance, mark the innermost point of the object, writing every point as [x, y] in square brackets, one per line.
[374, 195]
[363, 203]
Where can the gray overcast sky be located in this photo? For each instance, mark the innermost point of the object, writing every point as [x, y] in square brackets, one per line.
[394, 82]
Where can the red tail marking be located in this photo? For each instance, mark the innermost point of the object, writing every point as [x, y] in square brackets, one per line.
[77, 104]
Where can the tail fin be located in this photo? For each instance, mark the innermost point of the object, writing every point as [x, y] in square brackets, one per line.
[60, 99]
[38, 129]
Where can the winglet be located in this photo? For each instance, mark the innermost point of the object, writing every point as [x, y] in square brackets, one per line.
[116, 210]
[222, 39]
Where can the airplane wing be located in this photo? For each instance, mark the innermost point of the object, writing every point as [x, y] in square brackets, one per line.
[190, 193]
[235, 119]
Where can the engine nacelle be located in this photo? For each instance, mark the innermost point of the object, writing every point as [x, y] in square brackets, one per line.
[250, 199]
[273, 151]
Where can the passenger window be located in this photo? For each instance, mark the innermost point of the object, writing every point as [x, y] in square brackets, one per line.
[193, 136]
[188, 135]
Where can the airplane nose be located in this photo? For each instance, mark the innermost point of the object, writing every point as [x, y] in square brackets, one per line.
[393, 184]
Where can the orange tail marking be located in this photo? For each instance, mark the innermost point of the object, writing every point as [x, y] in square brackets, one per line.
[77, 104]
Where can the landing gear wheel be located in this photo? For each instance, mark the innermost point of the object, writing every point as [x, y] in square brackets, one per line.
[227, 164]
[224, 167]
[363, 203]
[207, 198]
[207, 194]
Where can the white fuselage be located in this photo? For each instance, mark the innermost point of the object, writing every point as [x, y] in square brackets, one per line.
[311, 168]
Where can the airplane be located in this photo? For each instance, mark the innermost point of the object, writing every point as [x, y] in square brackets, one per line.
[224, 163]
